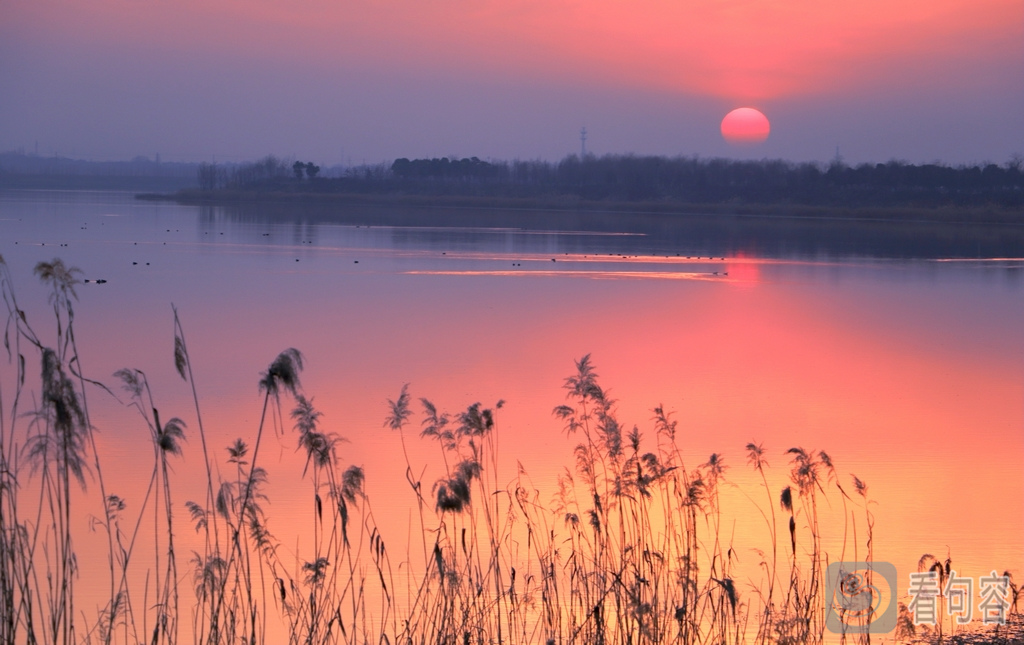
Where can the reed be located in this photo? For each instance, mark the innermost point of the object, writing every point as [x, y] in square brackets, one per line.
[634, 546]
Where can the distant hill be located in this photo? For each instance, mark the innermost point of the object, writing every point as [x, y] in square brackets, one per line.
[20, 170]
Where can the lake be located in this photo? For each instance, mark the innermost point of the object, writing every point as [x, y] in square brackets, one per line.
[904, 361]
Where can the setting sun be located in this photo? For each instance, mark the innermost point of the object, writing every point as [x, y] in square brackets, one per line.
[745, 126]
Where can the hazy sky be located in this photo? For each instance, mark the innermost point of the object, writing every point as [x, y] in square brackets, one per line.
[353, 81]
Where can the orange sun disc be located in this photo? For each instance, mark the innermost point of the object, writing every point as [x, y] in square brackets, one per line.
[745, 126]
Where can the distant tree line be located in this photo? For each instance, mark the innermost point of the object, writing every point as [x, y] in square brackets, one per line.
[445, 169]
[266, 172]
[648, 178]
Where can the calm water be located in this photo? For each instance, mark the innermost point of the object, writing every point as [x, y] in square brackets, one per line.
[908, 372]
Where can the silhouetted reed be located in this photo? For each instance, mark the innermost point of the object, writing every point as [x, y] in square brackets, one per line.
[634, 546]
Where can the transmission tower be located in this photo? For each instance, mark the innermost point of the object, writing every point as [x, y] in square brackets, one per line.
[583, 143]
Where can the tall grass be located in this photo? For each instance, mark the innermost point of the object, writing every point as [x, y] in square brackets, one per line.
[636, 544]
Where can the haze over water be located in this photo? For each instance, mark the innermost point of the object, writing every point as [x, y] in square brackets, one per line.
[909, 373]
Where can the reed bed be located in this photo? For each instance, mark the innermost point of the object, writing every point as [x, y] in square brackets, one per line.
[633, 547]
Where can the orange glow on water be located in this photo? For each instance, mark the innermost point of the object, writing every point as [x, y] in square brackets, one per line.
[776, 362]
[784, 362]
[743, 270]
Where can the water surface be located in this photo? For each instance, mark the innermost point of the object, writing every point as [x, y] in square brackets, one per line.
[908, 371]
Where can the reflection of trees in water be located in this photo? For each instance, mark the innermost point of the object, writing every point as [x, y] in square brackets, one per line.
[767, 208]
[573, 231]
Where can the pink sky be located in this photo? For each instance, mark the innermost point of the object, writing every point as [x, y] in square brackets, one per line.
[353, 81]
